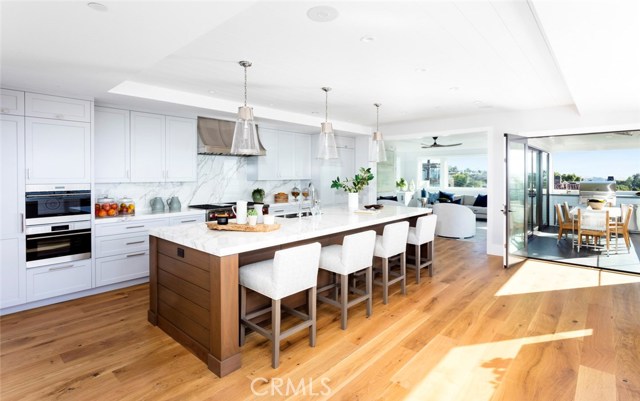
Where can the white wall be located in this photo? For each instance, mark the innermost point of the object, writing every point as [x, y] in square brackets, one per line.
[543, 122]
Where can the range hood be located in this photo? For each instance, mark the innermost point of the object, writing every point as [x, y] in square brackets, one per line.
[216, 136]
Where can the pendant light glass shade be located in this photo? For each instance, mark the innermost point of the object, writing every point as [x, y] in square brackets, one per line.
[327, 148]
[378, 151]
[245, 135]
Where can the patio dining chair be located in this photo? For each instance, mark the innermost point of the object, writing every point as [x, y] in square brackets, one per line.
[563, 224]
[596, 225]
[622, 227]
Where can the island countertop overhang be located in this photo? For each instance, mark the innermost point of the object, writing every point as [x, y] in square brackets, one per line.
[333, 220]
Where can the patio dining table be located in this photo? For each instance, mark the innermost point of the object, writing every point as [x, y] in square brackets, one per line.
[614, 214]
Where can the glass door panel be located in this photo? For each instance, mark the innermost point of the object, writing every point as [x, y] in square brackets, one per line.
[516, 200]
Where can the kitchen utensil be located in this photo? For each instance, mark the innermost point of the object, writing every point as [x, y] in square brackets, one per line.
[157, 205]
[240, 210]
[174, 204]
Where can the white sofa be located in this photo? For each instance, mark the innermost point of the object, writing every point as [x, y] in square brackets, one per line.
[479, 211]
[456, 221]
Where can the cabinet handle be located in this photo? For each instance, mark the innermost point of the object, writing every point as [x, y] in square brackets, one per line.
[128, 174]
[135, 254]
[21, 222]
[5, 110]
[189, 221]
[130, 227]
[28, 174]
[51, 269]
[134, 242]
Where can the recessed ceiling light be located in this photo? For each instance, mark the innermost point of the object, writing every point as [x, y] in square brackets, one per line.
[211, 91]
[367, 39]
[322, 14]
[97, 6]
[315, 112]
[421, 69]
[477, 102]
[454, 89]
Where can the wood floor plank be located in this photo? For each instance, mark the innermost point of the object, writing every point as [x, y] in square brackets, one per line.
[454, 337]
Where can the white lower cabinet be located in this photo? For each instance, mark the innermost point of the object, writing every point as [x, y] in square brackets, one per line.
[115, 269]
[12, 273]
[59, 279]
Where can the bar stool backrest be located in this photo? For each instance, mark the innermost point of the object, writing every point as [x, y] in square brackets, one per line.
[296, 267]
[357, 250]
[426, 228]
[394, 237]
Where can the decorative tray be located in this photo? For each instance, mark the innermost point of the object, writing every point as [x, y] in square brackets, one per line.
[258, 228]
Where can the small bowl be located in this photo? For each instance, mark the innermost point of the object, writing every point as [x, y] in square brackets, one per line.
[222, 220]
[596, 205]
[373, 206]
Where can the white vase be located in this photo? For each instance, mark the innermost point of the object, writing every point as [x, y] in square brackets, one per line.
[352, 198]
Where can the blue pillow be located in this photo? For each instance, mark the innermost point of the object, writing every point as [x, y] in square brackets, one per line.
[433, 197]
[458, 201]
[447, 195]
[481, 201]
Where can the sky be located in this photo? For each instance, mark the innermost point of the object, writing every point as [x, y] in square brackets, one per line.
[620, 164]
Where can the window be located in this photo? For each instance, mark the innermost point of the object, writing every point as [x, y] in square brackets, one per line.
[431, 173]
[467, 172]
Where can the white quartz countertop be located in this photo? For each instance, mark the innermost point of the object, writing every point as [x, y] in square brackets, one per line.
[147, 215]
[332, 220]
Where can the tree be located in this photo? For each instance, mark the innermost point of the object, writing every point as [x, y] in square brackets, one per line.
[460, 180]
[571, 177]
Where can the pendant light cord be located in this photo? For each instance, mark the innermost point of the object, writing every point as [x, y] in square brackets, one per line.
[377, 117]
[245, 86]
[326, 106]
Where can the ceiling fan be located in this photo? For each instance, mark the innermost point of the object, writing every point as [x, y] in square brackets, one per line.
[437, 145]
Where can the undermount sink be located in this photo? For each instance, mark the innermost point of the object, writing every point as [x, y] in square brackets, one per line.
[294, 215]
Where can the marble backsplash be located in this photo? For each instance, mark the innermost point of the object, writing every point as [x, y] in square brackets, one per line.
[220, 179]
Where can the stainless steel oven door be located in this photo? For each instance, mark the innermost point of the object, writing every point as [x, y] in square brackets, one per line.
[49, 204]
[51, 244]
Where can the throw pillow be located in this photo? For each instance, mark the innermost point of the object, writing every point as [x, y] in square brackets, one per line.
[433, 197]
[458, 201]
[444, 200]
[481, 201]
[447, 195]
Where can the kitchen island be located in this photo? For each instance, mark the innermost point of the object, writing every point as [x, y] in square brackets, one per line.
[193, 274]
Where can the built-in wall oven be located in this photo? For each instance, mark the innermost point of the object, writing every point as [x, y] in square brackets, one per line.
[48, 204]
[58, 224]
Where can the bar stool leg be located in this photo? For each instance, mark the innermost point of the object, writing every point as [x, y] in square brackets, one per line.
[418, 263]
[432, 254]
[403, 271]
[311, 304]
[344, 300]
[385, 280]
[369, 283]
[243, 313]
[275, 332]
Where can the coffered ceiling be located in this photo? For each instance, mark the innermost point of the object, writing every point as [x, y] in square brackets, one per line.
[420, 59]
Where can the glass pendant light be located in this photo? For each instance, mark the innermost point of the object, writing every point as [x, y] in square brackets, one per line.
[245, 135]
[378, 152]
[327, 144]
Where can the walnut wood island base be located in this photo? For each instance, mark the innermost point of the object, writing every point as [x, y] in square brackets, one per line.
[193, 276]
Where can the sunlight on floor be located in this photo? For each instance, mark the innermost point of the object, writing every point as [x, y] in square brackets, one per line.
[539, 276]
[480, 367]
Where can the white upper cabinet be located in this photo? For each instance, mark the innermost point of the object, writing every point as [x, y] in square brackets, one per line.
[147, 147]
[112, 162]
[56, 107]
[288, 157]
[11, 102]
[57, 152]
[181, 149]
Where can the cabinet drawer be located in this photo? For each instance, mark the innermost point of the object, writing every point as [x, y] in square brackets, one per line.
[127, 228]
[186, 219]
[59, 279]
[115, 269]
[11, 102]
[113, 245]
[59, 108]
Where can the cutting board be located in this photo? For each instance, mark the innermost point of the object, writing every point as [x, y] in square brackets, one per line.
[258, 228]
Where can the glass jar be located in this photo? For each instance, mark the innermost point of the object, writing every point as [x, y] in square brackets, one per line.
[295, 192]
[127, 207]
[106, 207]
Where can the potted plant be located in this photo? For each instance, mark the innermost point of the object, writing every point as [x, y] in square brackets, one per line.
[401, 184]
[258, 195]
[252, 216]
[354, 186]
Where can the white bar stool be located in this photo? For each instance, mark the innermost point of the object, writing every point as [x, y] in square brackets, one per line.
[423, 233]
[393, 242]
[290, 271]
[355, 254]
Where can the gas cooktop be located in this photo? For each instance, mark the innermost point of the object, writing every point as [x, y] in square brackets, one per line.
[212, 206]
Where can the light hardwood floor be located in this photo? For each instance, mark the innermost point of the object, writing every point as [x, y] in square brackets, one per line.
[472, 332]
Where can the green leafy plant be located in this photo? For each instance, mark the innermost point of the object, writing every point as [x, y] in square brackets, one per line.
[356, 184]
[257, 195]
[252, 212]
[401, 183]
